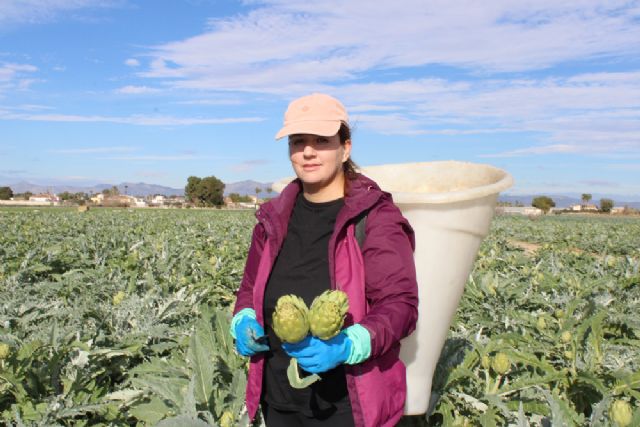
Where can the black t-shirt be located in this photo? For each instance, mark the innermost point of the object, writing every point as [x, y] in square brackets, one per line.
[302, 269]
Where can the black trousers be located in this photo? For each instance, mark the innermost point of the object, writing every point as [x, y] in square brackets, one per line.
[276, 418]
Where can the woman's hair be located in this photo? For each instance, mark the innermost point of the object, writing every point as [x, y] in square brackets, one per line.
[349, 167]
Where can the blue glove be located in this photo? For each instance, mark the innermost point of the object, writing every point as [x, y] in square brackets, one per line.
[315, 355]
[250, 337]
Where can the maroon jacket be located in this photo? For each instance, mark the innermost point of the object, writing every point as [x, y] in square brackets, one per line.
[379, 279]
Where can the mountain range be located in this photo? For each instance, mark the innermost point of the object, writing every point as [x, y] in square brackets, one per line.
[248, 187]
[136, 188]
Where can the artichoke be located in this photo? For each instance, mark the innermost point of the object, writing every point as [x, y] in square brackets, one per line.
[541, 324]
[327, 313]
[291, 319]
[620, 413]
[5, 351]
[501, 363]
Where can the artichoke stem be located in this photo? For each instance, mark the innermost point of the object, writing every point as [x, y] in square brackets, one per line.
[295, 379]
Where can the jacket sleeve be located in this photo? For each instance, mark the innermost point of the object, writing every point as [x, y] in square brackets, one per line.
[244, 295]
[391, 286]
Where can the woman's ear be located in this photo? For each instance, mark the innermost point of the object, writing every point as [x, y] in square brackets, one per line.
[347, 150]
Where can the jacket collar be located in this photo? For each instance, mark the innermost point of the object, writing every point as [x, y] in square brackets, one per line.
[363, 193]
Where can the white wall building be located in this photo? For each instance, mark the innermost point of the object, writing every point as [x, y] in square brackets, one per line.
[518, 210]
[44, 198]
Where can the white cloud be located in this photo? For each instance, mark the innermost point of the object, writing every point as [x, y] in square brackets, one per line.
[288, 46]
[9, 71]
[131, 120]
[291, 47]
[547, 149]
[31, 107]
[152, 174]
[12, 76]
[92, 150]
[137, 90]
[132, 62]
[213, 101]
[166, 158]
[38, 11]
[248, 165]
[583, 113]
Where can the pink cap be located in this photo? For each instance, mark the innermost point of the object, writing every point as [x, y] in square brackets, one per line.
[315, 114]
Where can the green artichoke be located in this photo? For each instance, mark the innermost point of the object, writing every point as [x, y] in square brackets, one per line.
[291, 319]
[621, 413]
[501, 363]
[5, 351]
[327, 313]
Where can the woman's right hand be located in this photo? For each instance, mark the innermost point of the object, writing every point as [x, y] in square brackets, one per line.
[250, 338]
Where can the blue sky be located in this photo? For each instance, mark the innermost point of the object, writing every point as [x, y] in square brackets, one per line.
[108, 91]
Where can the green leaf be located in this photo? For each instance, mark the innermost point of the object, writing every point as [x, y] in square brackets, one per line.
[125, 396]
[189, 405]
[522, 419]
[201, 358]
[172, 389]
[489, 418]
[182, 421]
[562, 414]
[150, 412]
[531, 382]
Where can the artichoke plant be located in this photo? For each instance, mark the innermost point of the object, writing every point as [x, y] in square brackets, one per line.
[327, 313]
[291, 319]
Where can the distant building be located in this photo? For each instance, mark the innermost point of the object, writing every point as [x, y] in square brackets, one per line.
[583, 208]
[229, 203]
[98, 198]
[158, 200]
[44, 198]
[519, 210]
[137, 202]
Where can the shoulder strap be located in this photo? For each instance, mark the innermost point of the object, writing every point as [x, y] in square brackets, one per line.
[360, 228]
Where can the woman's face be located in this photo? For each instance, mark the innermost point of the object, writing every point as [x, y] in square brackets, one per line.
[317, 160]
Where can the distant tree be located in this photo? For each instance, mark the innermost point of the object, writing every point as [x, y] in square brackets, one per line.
[65, 195]
[519, 204]
[237, 198]
[585, 198]
[113, 191]
[206, 191]
[210, 191]
[543, 202]
[606, 205]
[191, 189]
[23, 196]
[6, 193]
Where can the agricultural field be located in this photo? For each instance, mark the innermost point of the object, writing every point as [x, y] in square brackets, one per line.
[120, 318]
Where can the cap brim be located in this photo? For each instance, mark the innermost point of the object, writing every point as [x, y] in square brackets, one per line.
[319, 127]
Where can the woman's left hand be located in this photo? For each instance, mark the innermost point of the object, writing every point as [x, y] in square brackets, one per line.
[315, 355]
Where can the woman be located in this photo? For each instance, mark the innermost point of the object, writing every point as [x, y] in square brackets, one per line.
[304, 244]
